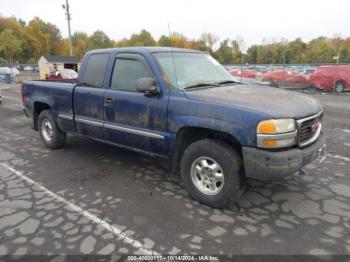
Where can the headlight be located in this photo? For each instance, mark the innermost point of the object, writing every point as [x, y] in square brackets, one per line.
[276, 126]
[276, 133]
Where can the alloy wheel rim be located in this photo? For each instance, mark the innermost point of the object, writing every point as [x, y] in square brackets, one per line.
[339, 87]
[207, 175]
[46, 130]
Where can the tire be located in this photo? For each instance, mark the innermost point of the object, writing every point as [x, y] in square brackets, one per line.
[274, 84]
[199, 184]
[50, 134]
[339, 87]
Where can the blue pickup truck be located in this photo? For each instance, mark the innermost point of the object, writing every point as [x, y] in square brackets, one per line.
[184, 107]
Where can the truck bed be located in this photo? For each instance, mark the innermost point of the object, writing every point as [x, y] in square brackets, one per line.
[58, 93]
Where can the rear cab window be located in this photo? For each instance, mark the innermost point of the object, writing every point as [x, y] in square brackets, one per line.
[95, 70]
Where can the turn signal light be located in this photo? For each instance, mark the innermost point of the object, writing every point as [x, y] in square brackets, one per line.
[267, 127]
[270, 143]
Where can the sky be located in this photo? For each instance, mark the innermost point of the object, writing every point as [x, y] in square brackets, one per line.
[252, 20]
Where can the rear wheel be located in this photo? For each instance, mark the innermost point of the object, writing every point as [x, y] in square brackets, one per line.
[274, 84]
[49, 132]
[211, 171]
[339, 87]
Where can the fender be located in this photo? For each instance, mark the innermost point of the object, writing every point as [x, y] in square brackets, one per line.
[234, 121]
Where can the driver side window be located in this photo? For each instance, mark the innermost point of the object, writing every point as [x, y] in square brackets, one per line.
[126, 72]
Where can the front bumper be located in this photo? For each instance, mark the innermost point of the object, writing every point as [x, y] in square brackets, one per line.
[264, 165]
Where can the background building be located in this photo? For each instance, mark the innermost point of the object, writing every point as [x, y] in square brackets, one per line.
[48, 63]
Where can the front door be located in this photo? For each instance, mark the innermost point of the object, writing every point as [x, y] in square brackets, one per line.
[134, 119]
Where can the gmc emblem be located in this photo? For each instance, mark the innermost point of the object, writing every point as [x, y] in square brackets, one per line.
[315, 127]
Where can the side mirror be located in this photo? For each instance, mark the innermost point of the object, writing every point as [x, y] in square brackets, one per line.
[147, 85]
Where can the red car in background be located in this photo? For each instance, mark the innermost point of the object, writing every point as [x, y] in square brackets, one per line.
[281, 77]
[244, 76]
[62, 74]
[245, 73]
[331, 77]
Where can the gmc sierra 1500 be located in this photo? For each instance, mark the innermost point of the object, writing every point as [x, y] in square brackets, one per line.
[183, 106]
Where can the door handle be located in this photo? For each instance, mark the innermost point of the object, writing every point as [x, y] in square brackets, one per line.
[109, 101]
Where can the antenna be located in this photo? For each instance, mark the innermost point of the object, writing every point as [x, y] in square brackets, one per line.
[173, 56]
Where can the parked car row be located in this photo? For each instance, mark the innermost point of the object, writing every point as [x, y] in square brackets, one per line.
[53, 75]
[20, 67]
[8, 71]
[327, 77]
[29, 68]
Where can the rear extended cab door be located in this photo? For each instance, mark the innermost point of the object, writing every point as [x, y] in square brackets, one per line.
[133, 119]
[88, 99]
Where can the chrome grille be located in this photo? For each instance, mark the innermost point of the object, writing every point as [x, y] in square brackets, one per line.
[306, 135]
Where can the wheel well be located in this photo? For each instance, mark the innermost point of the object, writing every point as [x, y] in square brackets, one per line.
[340, 81]
[38, 108]
[188, 135]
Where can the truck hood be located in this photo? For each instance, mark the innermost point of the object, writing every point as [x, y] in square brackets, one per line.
[275, 102]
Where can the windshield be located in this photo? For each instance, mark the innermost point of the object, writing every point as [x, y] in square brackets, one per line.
[184, 70]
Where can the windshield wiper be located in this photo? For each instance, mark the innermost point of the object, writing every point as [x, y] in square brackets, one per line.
[202, 85]
[228, 82]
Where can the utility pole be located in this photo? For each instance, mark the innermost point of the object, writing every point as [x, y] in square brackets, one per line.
[68, 17]
[338, 54]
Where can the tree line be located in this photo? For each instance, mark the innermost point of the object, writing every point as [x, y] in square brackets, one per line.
[25, 42]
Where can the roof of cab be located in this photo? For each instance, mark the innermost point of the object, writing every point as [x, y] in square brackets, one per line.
[150, 49]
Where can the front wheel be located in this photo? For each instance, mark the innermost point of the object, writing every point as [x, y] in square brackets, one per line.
[339, 87]
[49, 132]
[211, 171]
